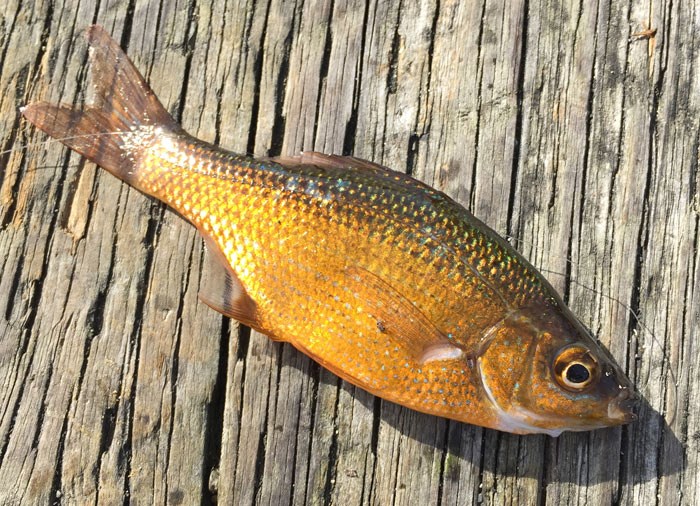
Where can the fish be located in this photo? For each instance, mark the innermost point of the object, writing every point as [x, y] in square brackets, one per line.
[378, 277]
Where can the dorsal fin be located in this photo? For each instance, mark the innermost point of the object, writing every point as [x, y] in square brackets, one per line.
[331, 161]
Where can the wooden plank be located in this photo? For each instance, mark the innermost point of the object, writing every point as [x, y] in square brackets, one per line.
[553, 121]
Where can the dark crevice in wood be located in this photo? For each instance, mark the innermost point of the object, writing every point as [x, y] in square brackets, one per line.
[642, 244]
[15, 409]
[416, 136]
[219, 85]
[393, 56]
[295, 450]
[94, 322]
[374, 444]
[392, 75]
[6, 151]
[71, 194]
[351, 126]
[96, 11]
[257, 79]
[174, 373]
[624, 435]
[660, 450]
[9, 30]
[315, 374]
[396, 477]
[273, 400]
[635, 305]
[694, 169]
[94, 319]
[23, 79]
[482, 462]
[243, 344]
[412, 154]
[157, 34]
[56, 482]
[15, 290]
[544, 476]
[323, 69]
[258, 474]
[619, 149]
[376, 421]
[332, 468]
[519, 119]
[428, 80]
[188, 46]
[574, 219]
[259, 464]
[109, 425]
[26, 338]
[279, 124]
[498, 444]
[471, 198]
[215, 413]
[365, 478]
[149, 240]
[244, 336]
[444, 449]
[239, 65]
[41, 408]
[217, 118]
[128, 23]
[174, 370]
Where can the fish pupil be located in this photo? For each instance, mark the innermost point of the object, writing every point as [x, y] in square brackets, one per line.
[577, 373]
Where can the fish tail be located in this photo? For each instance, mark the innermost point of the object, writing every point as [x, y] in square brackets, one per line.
[110, 134]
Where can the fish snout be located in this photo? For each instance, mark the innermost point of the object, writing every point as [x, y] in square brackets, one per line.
[622, 408]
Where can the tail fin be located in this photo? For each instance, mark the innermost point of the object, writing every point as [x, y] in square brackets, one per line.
[128, 104]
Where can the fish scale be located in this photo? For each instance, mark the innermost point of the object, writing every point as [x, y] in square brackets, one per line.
[255, 208]
[313, 276]
[380, 278]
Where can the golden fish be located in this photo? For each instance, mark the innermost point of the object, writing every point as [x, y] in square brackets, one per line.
[381, 279]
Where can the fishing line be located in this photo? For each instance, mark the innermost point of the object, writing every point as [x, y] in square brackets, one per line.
[48, 142]
[639, 323]
[628, 309]
[635, 316]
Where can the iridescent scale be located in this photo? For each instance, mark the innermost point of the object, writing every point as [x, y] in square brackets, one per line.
[291, 233]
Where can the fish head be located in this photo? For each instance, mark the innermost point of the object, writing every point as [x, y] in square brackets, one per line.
[543, 373]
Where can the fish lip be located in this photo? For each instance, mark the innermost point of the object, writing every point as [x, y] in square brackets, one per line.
[622, 407]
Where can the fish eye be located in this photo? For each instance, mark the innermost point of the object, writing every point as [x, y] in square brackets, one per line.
[575, 368]
[576, 374]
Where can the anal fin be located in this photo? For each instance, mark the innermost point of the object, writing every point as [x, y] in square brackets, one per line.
[224, 292]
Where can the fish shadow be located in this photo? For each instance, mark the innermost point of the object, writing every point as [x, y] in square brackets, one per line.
[642, 451]
[636, 453]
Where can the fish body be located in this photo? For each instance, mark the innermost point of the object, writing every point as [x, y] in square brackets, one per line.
[383, 280]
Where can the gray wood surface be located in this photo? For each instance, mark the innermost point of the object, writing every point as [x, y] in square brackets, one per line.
[572, 127]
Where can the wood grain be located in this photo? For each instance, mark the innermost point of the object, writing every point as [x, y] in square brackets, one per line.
[571, 127]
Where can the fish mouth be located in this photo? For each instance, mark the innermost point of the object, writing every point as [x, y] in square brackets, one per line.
[621, 408]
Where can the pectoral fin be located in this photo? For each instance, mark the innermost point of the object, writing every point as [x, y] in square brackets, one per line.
[401, 320]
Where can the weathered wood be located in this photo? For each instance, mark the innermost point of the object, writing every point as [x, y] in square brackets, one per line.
[570, 126]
